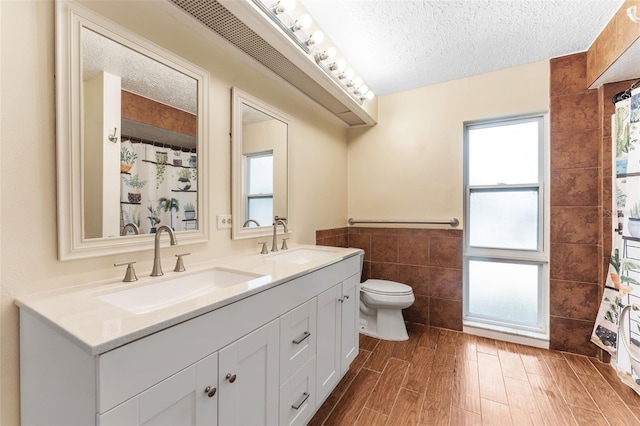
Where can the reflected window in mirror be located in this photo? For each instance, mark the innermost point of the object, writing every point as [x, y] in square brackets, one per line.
[131, 133]
[260, 159]
[259, 191]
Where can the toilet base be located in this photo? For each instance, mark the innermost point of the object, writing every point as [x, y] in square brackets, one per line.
[387, 324]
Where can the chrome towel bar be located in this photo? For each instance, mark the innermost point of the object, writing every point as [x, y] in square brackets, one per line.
[452, 222]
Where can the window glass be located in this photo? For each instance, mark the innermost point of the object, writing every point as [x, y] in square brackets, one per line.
[504, 291]
[261, 209]
[260, 174]
[504, 154]
[506, 219]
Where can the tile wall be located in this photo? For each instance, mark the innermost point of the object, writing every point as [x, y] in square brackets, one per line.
[581, 212]
[576, 206]
[429, 260]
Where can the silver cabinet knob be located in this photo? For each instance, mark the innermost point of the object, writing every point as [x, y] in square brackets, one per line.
[210, 391]
[231, 377]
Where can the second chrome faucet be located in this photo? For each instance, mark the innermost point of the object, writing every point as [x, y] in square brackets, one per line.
[278, 221]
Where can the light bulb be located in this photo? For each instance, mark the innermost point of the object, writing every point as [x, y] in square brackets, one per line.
[326, 54]
[340, 64]
[316, 38]
[284, 6]
[303, 22]
[369, 95]
[357, 82]
[349, 73]
[362, 90]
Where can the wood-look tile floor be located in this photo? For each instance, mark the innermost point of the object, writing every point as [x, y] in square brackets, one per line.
[444, 377]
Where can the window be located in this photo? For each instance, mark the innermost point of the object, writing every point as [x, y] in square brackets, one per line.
[505, 254]
[259, 193]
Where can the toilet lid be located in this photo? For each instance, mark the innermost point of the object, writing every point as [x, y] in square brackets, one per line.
[385, 287]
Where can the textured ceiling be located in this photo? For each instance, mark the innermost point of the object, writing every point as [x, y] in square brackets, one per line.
[140, 74]
[397, 45]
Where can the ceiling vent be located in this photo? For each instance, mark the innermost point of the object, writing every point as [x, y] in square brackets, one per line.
[218, 18]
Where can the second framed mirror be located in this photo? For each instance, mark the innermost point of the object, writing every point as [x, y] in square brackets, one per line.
[260, 166]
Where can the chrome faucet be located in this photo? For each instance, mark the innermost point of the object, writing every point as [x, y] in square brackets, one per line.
[278, 221]
[248, 221]
[133, 226]
[157, 268]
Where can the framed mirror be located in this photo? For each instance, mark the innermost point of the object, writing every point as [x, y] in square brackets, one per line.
[131, 139]
[260, 166]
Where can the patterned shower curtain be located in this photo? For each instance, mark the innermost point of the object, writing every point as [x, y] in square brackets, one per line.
[622, 287]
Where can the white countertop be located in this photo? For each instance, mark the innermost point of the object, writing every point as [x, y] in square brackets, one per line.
[98, 326]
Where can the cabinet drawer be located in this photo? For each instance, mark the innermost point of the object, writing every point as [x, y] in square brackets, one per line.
[297, 338]
[297, 395]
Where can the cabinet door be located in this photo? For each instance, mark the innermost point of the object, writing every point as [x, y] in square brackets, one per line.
[249, 379]
[297, 396]
[297, 338]
[350, 321]
[328, 342]
[182, 399]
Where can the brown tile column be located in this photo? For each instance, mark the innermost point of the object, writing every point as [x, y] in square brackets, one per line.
[576, 206]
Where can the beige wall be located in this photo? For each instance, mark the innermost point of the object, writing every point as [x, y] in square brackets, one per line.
[27, 165]
[409, 166]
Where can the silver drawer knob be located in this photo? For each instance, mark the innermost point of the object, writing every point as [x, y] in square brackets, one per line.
[210, 391]
[231, 377]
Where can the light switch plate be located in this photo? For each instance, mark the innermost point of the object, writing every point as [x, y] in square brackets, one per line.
[224, 221]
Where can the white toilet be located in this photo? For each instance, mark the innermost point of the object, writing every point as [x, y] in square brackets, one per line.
[381, 305]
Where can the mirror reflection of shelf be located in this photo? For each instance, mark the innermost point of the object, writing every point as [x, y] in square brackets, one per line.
[180, 190]
[169, 164]
[189, 224]
[127, 202]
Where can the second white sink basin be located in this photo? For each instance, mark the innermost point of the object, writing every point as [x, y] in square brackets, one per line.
[143, 298]
[300, 256]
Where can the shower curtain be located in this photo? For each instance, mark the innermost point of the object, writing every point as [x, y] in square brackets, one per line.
[622, 287]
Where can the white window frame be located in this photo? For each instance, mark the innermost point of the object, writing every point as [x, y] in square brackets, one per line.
[539, 257]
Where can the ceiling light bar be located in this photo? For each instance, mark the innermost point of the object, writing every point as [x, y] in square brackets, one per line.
[279, 12]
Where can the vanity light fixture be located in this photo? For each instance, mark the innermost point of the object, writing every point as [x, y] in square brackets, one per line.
[298, 30]
[632, 13]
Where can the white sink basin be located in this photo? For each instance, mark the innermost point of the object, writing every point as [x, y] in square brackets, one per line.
[143, 298]
[300, 256]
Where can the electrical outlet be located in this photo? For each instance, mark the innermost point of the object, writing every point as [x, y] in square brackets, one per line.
[224, 221]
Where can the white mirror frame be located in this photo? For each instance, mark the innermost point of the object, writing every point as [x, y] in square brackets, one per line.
[70, 18]
[237, 176]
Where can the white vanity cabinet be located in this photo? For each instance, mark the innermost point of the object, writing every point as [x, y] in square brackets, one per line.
[259, 360]
[338, 316]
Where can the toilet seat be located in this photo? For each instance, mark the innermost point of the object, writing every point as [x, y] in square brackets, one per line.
[385, 288]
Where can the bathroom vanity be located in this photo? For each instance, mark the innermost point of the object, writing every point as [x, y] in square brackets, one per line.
[264, 344]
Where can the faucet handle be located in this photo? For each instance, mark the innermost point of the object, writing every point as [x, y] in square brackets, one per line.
[180, 263]
[264, 247]
[284, 244]
[130, 274]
